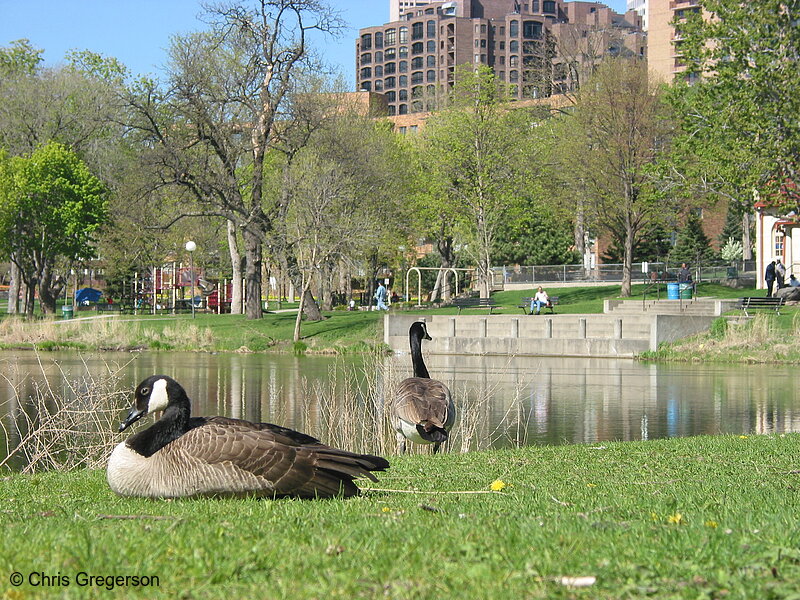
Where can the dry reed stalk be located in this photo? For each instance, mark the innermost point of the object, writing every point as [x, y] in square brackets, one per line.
[65, 427]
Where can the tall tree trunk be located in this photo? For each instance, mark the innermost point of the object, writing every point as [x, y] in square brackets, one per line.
[747, 244]
[13, 289]
[30, 297]
[50, 289]
[252, 273]
[627, 263]
[236, 268]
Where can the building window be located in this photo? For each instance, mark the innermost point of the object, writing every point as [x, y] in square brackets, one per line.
[477, 43]
[366, 86]
[416, 91]
[389, 68]
[366, 41]
[392, 111]
[502, 75]
[430, 90]
[389, 54]
[378, 85]
[502, 60]
[416, 77]
[378, 71]
[402, 66]
[391, 96]
[513, 61]
[431, 29]
[502, 30]
[513, 29]
[430, 61]
[513, 46]
[417, 63]
[404, 35]
[483, 29]
[379, 39]
[416, 106]
[549, 6]
[379, 56]
[513, 76]
[366, 73]
[502, 45]
[366, 59]
[416, 31]
[402, 95]
[402, 109]
[403, 52]
[402, 81]
[535, 6]
[417, 48]
[431, 46]
[532, 30]
[779, 239]
[389, 83]
[390, 37]
[483, 43]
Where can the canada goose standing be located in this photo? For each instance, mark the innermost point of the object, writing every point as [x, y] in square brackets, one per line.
[423, 408]
[180, 455]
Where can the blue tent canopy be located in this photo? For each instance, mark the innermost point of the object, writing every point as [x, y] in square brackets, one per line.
[87, 295]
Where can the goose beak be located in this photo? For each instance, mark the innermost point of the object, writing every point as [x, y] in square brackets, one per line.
[134, 415]
[427, 337]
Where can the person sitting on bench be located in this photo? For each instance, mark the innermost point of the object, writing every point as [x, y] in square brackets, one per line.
[539, 300]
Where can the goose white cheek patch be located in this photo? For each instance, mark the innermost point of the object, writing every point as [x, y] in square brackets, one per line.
[158, 397]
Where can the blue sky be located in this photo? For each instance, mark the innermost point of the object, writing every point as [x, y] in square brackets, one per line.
[137, 32]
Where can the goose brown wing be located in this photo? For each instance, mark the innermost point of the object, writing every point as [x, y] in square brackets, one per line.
[419, 399]
[283, 461]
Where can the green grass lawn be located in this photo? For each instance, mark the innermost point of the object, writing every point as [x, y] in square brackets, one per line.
[706, 517]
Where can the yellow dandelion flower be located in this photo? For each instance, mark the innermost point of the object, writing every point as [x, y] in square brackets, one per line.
[712, 524]
[743, 437]
[591, 485]
[386, 509]
[497, 485]
[676, 519]
[654, 516]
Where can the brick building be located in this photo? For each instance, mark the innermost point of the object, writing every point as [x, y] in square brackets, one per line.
[539, 47]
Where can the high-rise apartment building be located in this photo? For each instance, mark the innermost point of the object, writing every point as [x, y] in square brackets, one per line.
[398, 8]
[539, 47]
[640, 6]
[663, 39]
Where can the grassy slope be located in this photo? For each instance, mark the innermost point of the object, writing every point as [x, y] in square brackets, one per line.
[602, 511]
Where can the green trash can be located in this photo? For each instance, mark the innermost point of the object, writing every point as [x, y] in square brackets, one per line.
[686, 291]
[67, 312]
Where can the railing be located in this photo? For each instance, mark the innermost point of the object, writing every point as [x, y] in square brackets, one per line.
[613, 272]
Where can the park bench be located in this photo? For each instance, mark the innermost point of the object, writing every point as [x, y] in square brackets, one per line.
[474, 303]
[753, 302]
[107, 307]
[526, 304]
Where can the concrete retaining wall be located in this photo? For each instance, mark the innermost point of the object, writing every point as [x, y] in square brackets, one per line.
[544, 335]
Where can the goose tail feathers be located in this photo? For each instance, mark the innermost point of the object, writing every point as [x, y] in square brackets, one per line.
[431, 433]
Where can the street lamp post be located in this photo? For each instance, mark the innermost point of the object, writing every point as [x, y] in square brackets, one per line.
[190, 248]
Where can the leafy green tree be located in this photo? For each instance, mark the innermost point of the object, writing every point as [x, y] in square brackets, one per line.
[535, 237]
[692, 244]
[653, 245]
[214, 126]
[609, 150]
[51, 207]
[740, 114]
[480, 161]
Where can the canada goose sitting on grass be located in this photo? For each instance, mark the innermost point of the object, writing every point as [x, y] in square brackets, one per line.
[423, 408]
[180, 455]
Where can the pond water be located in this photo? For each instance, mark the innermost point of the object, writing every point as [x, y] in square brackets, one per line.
[502, 401]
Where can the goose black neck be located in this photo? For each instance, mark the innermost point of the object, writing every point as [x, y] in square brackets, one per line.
[416, 358]
[172, 425]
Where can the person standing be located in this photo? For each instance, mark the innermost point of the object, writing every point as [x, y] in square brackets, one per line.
[780, 273]
[769, 277]
[380, 297]
[684, 275]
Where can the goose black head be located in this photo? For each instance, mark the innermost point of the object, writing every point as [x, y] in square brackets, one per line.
[419, 330]
[153, 394]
